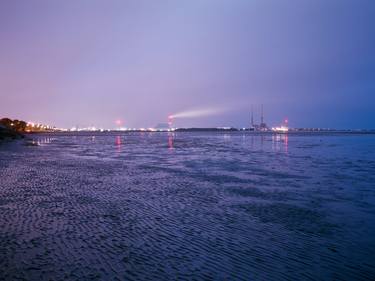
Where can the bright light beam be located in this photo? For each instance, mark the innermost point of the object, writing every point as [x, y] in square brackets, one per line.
[197, 113]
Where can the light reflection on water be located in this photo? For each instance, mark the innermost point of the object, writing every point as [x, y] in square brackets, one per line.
[118, 143]
[280, 142]
[170, 141]
[42, 140]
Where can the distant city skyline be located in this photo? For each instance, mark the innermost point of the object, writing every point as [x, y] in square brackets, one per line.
[94, 63]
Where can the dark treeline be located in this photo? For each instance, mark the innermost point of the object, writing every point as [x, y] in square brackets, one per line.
[11, 128]
[15, 125]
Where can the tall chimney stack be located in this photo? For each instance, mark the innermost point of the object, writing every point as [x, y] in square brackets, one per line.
[252, 117]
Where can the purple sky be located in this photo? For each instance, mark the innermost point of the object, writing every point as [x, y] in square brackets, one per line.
[78, 62]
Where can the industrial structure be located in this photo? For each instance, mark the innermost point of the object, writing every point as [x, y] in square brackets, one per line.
[262, 126]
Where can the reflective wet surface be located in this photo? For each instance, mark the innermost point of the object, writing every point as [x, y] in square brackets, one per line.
[188, 206]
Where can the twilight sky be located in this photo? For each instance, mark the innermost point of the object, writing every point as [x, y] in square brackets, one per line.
[90, 62]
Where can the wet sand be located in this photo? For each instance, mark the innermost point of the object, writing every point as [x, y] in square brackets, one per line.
[188, 206]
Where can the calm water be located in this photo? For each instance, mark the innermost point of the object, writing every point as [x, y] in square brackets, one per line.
[188, 206]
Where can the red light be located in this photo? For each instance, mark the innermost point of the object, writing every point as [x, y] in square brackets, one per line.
[170, 120]
[118, 122]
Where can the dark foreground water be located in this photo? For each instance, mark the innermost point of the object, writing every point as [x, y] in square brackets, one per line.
[188, 206]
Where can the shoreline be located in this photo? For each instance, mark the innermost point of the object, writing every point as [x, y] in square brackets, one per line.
[9, 135]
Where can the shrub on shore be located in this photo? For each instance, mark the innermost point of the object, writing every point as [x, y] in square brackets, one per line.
[11, 128]
[14, 125]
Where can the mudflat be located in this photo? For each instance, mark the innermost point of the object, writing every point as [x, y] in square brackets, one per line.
[188, 206]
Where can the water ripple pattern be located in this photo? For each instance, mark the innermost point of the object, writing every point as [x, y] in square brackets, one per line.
[188, 206]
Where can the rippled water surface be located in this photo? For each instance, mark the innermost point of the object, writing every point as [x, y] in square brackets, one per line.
[188, 206]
